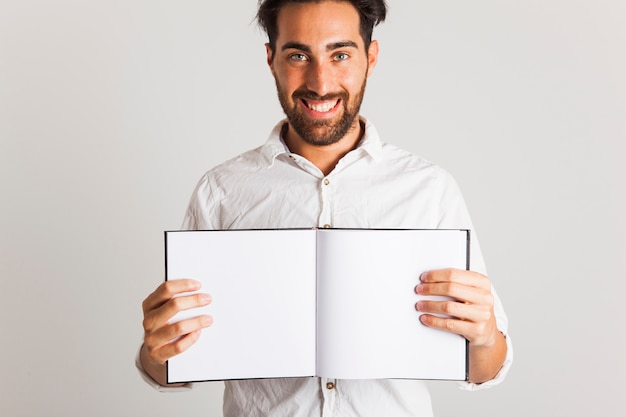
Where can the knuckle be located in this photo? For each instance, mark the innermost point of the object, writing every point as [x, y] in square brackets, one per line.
[481, 328]
[152, 342]
[153, 353]
[450, 325]
[179, 328]
[147, 323]
[178, 348]
[177, 303]
[450, 308]
[450, 287]
[193, 337]
[166, 289]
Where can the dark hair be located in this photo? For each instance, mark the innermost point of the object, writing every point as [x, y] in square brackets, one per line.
[371, 13]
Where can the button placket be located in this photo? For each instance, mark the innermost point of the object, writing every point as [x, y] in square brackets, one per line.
[329, 393]
[325, 215]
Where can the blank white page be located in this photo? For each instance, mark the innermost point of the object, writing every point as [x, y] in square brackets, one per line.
[368, 326]
[263, 288]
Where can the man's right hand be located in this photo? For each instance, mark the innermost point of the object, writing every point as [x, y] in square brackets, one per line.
[163, 339]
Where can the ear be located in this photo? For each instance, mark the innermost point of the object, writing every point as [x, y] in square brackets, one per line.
[270, 57]
[372, 57]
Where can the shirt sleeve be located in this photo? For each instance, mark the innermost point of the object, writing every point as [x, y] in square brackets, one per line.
[454, 214]
[203, 210]
[502, 323]
[196, 218]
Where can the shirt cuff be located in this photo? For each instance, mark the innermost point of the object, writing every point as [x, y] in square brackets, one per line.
[150, 381]
[508, 361]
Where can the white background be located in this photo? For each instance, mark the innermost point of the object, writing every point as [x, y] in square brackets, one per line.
[110, 111]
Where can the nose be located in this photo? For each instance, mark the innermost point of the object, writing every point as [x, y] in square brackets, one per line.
[320, 78]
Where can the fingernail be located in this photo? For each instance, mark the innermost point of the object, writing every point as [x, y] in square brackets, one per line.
[419, 289]
[419, 306]
[207, 320]
[205, 298]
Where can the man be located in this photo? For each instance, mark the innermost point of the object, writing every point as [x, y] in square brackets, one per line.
[326, 166]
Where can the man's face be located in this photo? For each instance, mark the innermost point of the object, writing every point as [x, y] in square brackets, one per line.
[320, 66]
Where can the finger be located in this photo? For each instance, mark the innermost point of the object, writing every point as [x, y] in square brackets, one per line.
[167, 290]
[165, 352]
[160, 316]
[461, 292]
[477, 333]
[455, 309]
[158, 342]
[169, 333]
[459, 276]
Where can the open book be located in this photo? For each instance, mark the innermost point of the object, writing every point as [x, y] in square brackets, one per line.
[336, 303]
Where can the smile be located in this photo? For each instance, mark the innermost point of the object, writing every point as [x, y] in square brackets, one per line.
[321, 106]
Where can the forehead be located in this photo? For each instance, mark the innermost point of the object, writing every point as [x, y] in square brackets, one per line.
[318, 23]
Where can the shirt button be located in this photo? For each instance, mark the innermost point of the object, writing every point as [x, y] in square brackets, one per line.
[292, 157]
[327, 226]
[326, 181]
[330, 385]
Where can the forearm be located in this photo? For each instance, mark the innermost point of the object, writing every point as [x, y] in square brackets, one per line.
[485, 361]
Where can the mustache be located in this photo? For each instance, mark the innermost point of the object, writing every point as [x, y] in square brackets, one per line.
[310, 95]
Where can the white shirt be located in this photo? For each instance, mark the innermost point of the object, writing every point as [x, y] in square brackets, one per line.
[374, 186]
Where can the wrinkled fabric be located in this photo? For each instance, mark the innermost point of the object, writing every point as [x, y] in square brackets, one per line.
[377, 185]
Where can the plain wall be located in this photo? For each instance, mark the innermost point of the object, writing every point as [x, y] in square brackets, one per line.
[110, 111]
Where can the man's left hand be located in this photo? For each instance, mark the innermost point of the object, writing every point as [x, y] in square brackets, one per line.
[470, 310]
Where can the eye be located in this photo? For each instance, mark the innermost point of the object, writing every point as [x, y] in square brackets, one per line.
[342, 56]
[297, 57]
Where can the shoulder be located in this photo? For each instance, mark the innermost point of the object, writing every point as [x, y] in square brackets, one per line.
[253, 161]
[397, 161]
[227, 178]
[401, 162]
[240, 166]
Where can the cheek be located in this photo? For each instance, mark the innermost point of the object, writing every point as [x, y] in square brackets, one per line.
[352, 75]
[289, 80]
[285, 71]
[353, 81]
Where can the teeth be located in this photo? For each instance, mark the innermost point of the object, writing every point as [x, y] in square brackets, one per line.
[322, 108]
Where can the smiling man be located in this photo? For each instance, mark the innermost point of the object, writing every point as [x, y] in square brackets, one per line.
[326, 166]
[321, 78]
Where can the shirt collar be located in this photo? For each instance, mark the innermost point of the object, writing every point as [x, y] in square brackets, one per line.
[275, 146]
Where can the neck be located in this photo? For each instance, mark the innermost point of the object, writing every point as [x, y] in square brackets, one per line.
[324, 157]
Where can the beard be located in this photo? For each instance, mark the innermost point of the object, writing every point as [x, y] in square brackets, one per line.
[321, 132]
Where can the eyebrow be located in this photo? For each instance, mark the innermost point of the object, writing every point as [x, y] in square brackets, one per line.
[330, 47]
